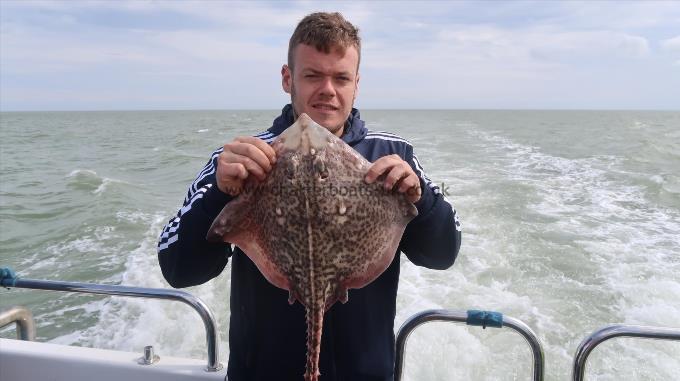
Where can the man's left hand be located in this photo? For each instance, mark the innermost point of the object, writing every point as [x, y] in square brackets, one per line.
[398, 175]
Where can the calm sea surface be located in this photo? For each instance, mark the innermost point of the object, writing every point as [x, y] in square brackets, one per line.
[571, 220]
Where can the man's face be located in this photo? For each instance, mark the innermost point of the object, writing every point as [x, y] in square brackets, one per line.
[322, 85]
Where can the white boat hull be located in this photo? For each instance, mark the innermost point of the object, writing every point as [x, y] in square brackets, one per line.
[28, 361]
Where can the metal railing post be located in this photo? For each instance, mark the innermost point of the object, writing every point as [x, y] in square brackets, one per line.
[23, 318]
[611, 331]
[491, 319]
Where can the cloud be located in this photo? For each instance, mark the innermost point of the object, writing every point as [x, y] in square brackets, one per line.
[587, 45]
[671, 44]
[603, 15]
[535, 50]
[437, 53]
[218, 47]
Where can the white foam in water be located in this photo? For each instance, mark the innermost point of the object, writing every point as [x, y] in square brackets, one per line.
[173, 328]
[90, 178]
[106, 181]
[630, 247]
[134, 217]
[56, 259]
[82, 172]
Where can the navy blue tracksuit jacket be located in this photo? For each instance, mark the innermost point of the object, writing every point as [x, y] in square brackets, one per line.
[267, 336]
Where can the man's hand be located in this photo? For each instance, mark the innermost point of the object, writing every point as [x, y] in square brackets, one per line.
[398, 174]
[245, 156]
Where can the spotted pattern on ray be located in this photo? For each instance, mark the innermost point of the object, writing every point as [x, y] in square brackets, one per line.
[314, 227]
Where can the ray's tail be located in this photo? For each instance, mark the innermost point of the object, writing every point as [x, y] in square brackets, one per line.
[314, 328]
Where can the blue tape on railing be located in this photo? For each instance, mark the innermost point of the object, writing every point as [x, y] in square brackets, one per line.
[484, 318]
[7, 277]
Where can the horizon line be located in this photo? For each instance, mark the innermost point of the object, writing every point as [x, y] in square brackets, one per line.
[362, 109]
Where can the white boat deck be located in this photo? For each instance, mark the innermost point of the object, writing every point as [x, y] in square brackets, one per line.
[28, 360]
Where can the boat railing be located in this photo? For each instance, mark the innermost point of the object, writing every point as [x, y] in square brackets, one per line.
[474, 318]
[617, 330]
[23, 318]
[9, 280]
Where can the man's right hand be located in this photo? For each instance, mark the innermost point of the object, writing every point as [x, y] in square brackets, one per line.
[245, 156]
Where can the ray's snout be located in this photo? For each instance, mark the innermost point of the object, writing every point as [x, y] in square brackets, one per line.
[306, 135]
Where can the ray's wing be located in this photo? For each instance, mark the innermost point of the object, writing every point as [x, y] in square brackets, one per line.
[367, 221]
[235, 224]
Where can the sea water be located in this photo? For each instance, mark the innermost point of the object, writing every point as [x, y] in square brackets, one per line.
[571, 221]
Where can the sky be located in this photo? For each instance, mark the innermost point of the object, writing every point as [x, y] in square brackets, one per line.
[159, 55]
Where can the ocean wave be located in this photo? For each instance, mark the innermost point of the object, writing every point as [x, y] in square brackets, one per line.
[89, 180]
[603, 238]
[658, 150]
[667, 182]
[131, 323]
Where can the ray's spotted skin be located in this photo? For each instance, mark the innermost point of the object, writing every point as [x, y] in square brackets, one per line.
[313, 226]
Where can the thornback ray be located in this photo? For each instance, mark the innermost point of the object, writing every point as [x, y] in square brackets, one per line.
[313, 226]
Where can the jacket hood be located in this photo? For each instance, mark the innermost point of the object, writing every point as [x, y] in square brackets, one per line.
[355, 128]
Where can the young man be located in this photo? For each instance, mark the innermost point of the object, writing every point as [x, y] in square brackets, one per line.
[267, 336]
